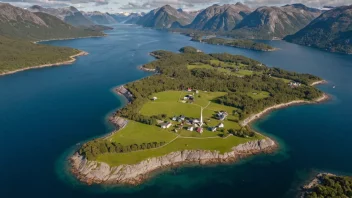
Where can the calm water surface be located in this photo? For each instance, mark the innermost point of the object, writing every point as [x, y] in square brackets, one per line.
[44, 113]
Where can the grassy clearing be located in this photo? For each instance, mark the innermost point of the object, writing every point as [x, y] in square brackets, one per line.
[218, 144]
[226, 68]
[169, 103]
[226, 64]
[257, 95]
[283, 79]
[138, 133]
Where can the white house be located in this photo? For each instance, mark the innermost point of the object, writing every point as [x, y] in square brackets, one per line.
[190, 128]
[166, 125]
[155, 98]
[195, 121]
[221, 125]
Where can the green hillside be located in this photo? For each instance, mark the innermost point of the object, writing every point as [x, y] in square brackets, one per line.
[18, 54]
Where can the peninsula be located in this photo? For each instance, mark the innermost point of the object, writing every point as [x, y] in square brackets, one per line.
[191, 111]
[23, 55]
[238, 43]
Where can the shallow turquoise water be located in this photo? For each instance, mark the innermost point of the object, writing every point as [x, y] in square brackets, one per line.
[44, 113]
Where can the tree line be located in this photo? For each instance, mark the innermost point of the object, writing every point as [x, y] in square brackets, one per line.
[98, 147]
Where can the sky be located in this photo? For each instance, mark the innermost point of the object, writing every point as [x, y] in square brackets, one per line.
[115, 6]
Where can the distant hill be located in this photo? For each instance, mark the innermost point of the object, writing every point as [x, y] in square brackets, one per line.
[69, 15]
[165, 17]
[220, 18]
[100, 18]
[332, 31]
[275, 22]
[20, 23]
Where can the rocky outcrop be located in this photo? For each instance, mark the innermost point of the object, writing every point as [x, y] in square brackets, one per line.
[124, 92]
[99, 172]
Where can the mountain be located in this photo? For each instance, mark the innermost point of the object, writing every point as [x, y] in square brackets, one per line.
[220, 18]
[165, 17]
[69, 15]
[20, 23]
[100, 18]
[331, 31]
[276, 22]
[133, 18]
[128, 18]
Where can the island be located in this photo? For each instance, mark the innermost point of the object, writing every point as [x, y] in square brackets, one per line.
[196, 108]
[238, 43]
[328, 185]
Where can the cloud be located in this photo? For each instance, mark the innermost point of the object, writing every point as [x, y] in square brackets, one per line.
[151, 4]
[146, 5]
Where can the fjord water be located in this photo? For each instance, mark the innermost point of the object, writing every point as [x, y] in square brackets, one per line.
[44, 113]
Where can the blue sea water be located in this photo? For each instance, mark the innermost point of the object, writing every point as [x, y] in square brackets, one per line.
[45, 112]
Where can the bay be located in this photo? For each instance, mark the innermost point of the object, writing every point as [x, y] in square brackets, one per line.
[45, 112]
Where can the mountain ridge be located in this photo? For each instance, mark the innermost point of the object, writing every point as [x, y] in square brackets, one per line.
[332, 31]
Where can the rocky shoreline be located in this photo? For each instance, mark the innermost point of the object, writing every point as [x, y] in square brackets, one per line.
[313, 183]
[91, 172]
[146, 69]
[72, 59]
[122, 91]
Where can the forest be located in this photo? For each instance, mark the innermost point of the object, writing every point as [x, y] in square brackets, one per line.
[239, 43]
[18, 54]
[98, 147]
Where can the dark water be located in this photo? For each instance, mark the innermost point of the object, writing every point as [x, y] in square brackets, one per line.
[44, 113]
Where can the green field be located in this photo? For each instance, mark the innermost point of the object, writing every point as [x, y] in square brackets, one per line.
[138, 133]
[227, 68]
[257, 95]
[227, 64]
[216, 144]
[169, 102]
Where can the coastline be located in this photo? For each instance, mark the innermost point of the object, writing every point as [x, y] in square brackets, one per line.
[62, 39]
[93, 172]
[239, 47]
[72, 59]
[319, 82]
[259, 115]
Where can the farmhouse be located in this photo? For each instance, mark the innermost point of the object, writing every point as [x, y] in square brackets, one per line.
[294, 84]
[221, 125]
[195, 121]
[190, 128]
[200, 130]
[166, 125]
[222, 115]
